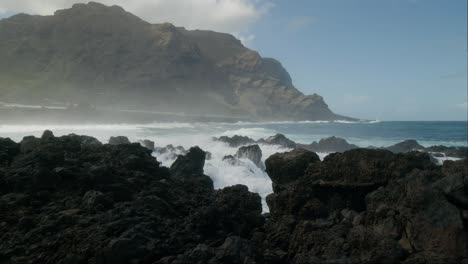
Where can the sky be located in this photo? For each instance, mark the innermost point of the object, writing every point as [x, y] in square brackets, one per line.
[370, 59]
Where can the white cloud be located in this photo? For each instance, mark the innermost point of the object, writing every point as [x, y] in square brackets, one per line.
[232, 16]
[300, 22]
[463, 105]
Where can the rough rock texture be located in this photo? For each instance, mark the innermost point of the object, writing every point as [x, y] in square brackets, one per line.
[435, 151]
[328, 145]
[149, 144]
[107, 57]
[69, 200]
[406, 146]
[235, 141]
[279, 139]
[366, 206]
[252, 152]
[119, 140]
[457, 152]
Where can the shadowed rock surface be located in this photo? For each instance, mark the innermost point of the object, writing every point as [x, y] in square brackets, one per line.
[235, 141]
[280, 140]
[71, 199]
[128, 63]
[119, 140]
[366, 206]
[328, 145]
[252, 152]
[68, 200]
[406, 146]
[149, 144]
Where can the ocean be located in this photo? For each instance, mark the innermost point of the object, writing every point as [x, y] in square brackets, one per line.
[363, 134]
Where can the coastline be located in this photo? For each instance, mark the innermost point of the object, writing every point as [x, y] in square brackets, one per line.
[118, 204]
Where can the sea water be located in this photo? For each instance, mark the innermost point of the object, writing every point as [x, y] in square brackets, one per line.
[363, 134]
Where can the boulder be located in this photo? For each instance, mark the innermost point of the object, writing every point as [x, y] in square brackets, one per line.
[191, 163]
[119, 140]
[147, 144]
[368, 206]
[406, 146]
[287, 167]
[329, 145]
[47, 135]
[252, 152]
[29, 143]
[279, 139]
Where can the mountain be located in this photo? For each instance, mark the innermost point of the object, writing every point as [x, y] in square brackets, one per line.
[105, 56]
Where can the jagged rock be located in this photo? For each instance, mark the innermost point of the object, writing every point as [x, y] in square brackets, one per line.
[68, 202]
[189, 169]
[95, 200]
[47, 135]
[368, 206]
[328, 145]
[170, 152]
[147, 144]
[456, 152]
[252, 152]
[28, 144]
[406, 146]
[235, 141]
[8, 150]
[279, 139]
[287, 167]
[119, 140]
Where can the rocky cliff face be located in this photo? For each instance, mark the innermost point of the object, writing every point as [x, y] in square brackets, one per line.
[105, 56]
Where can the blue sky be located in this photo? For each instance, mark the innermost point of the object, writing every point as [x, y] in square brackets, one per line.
[373, 59]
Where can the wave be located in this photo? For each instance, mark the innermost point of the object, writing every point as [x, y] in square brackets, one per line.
[253, 132]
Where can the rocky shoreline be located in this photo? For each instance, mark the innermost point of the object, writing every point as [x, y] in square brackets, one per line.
[335, 144]
[72, 199]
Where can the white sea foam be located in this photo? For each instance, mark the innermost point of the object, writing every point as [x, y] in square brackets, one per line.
[192, 134]
[254, 132]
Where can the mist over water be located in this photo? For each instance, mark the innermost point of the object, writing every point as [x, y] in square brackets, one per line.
[223, 174]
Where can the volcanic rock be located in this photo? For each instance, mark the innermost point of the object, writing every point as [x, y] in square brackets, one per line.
[252, 152]
[119, 140]
[328, 145]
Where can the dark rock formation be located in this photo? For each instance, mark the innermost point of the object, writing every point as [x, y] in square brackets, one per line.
[233, 161]
[279, 139]
[119, 140]
[456, 152]
[128, 63]
[147, 144]
[235, 141]
[406, 146]
[252, 152]
[69, 200]
[366, 206]
[328, 145]
[435, 151]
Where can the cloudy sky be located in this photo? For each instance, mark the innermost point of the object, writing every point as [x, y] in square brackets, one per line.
[376, 59]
